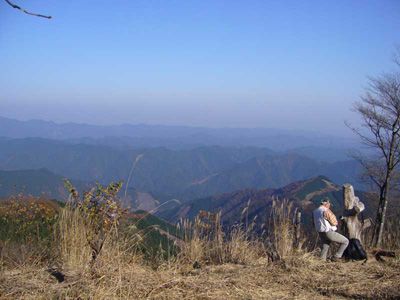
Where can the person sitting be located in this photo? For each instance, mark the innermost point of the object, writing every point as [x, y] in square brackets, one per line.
[325, 223]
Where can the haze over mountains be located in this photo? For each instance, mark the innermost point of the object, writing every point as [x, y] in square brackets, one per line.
[171, 136]
[183, 163]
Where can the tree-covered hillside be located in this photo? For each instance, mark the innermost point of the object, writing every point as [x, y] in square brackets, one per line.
[167, 174]
[305, 195]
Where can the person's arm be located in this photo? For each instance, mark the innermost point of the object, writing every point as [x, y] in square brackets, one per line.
[330, 217]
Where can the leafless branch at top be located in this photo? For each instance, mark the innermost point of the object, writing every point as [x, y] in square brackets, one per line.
[25, 11]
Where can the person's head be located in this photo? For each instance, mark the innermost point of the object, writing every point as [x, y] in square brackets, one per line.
[326, 202]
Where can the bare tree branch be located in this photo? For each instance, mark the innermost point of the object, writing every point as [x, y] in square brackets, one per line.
[25, 11]
[379, 109]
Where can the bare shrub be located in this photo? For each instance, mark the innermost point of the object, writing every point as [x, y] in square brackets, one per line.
[391, 236]
[90, 218]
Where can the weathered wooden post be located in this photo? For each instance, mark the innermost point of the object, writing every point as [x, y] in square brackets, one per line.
[352, 208]
[354, 227]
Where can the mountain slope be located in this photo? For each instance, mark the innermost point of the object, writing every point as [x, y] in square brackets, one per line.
[305, 194]
[159, 171]
[272, 171]
[39, 182]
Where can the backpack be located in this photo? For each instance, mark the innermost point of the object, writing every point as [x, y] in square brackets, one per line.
[355, 250]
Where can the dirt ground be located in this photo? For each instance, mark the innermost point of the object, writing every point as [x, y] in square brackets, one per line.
[299, 277]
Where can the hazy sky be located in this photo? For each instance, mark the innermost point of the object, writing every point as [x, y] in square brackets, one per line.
[286, 64]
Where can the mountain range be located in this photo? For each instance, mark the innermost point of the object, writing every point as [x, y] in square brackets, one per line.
[162, 163]
[141, 135]
[166, 174]
[257, 203]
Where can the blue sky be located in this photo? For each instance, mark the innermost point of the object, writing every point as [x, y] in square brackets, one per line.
[285, 64]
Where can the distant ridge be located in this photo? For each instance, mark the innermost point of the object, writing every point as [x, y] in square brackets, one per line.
[173, 136]
[304, 194]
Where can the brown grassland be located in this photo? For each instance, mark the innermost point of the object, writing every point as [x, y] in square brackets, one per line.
[208, 265]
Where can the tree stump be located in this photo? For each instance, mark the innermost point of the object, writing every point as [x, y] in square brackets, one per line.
[354, 227]
[352, 208]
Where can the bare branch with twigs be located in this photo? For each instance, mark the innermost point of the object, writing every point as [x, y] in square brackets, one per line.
[379, 109]
[25, 11]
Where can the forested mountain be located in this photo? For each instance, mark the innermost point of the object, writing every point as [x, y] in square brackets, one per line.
[305, 194]
[184, 174]
[39, 182]
[176, 162]
[272, 171]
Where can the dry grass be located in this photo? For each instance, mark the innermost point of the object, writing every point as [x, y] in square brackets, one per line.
[300, 277]
[206, 242]
[281, 227]
[232, 266]
[71, 240]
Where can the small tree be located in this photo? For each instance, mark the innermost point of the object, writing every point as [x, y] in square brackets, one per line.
[101, 210]
[379, 109]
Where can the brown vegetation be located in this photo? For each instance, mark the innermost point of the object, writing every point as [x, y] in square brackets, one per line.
[211, 264]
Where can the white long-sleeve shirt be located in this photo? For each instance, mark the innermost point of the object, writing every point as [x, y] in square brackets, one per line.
[320, 223]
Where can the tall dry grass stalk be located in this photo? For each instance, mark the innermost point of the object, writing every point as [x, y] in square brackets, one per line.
[281, 228]
[206, 242]
[242, 247]
[71, 239]
[193, 247]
